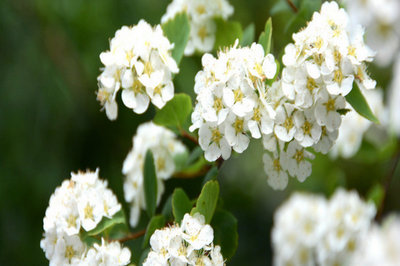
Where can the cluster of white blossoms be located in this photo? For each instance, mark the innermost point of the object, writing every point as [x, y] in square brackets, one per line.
[188, 244]
[140, 63]
[80, 204]
[354, 126]
[322, 64]
[231, 100]
[201, 16]
[381, 245]
[309, 230]
[381, 19]
[302, 110]
[164, 146]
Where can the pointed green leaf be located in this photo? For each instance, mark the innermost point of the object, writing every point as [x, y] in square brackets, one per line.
[207, 200]
[265, 38]
[180, 204]
[167, 209]
[106, 223]
[356, 99]
[227, 32]
[176, 112]
[155, 223]
[150, 184]
[225, 232]
[177, 31]
[248, 35]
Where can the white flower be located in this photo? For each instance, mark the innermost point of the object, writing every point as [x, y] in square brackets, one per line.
[196, 232]
[297, 162]
[276, 168]
[213, 142]
[326, 110]
[284, 123]
[142, 67]
[308, 131]
[108, 254]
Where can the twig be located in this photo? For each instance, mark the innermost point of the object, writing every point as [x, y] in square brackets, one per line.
[292, 6]
[200, 172]
[219, 162]
[188, 136]
[131, 236]
[388, 180]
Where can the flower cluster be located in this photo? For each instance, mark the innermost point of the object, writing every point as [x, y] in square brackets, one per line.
[188, 244]
[231, 100]
[139, 61]
[381, 246]
[381, 19]
[309, 230]
[320, 69]
[165, 147]
[201, 16]
[80, 204]
[354, 126]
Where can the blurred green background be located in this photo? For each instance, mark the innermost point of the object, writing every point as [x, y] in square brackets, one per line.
[51, 124]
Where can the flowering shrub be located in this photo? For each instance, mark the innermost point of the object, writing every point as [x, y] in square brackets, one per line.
[315, 98]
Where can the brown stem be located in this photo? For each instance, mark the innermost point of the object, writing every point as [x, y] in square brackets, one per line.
[131, 236]
[292, 6]
[387, 181]
[219, 162]
[200, 172]
[188, 136]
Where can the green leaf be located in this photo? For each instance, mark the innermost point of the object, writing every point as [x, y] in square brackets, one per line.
[177, 31]
[180, 204]
[266, 37]
[207, 200]
[376, 195]
[248, 35]
[356, 99]
[155, 223]
[176, 112]
[227, 32]
[150, 184]
[167, 208]
[225, 232]
[343, 111]
[211, 175]
[195, 167]
[106, 223]
[143, 256]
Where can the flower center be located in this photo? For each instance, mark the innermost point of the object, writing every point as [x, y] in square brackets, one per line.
[330, 105]
[88, 211]
[238, 126]
[217, 104]
[299, 156]
[216, 136]
[238, 95]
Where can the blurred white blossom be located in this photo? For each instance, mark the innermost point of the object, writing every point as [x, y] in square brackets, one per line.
[310, 230]
[201, 14]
